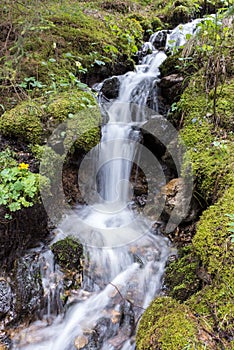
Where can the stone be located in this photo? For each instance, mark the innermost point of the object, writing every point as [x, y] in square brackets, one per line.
[5, 297]
[177, 200]
[159, 39]
[171, 87]
[28, 285]
[170, 80]
[80, 342]
[110, 87]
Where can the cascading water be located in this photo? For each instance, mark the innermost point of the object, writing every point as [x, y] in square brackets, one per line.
[126, 262]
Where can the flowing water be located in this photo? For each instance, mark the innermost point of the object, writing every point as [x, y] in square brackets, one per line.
[125, 261]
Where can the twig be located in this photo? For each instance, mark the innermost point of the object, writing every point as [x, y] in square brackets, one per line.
[130, 302]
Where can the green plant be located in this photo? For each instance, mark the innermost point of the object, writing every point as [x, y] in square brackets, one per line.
[19, 187]
[63, 79]
[128, 33]
[31, 83]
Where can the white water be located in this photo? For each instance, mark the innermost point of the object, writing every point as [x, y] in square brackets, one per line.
[126, 262]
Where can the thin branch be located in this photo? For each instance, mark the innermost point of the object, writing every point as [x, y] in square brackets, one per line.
[130, 302]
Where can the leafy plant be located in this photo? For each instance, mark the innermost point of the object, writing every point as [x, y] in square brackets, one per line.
[19, 187]
[30, 83]
[128, 34]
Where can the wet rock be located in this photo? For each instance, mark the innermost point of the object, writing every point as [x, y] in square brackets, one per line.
[127, 323]
[27, 227]
[172, 87]
[110, 87]
[147, 48]
[105, 329]
[68, 254]
[27, 287]
[99, 73]
[5, 341]
[5, 297]
[178, 200]
[80, 342]
[159, 39]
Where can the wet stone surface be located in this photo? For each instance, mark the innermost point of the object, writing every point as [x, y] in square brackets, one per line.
[5, 297]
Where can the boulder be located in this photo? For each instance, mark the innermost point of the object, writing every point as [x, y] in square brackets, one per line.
[27, 285]
[170, 80]
[110, 87]
[5, 297]
[177, 202]
[159, 39]
[172, 87]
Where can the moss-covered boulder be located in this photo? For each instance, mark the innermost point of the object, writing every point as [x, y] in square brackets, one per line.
[202, 276]
[23, 122]
[68, 253]
[167, 324]
[33, 121]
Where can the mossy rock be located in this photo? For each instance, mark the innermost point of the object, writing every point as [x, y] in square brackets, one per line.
[79, 118]
[170, 65]
[68, 253]
[181, 280]
[66, 104]
[213, 304]
[225, 105]
[76, 112]
[180, 14]
[23, 122]
[167, 324]
[83, 131]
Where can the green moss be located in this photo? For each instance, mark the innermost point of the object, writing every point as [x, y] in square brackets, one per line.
[180, 14]
[34, 121]
[169, 66]
[212, 240]
[23, 122]
[215, 308]
[68, 253]
[181, 278]
[225, 106]
[66, 104]
[164, 325]
[213, 304]
[83, 131]
[211, 155]
[71, 28]
[81, 116]
[167, 324]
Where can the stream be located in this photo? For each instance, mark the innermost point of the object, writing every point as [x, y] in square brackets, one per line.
[126, 260]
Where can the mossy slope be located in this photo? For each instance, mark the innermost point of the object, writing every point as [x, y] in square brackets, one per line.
[202, 277]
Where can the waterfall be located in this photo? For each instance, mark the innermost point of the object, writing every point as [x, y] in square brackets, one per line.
[126, 261]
